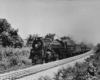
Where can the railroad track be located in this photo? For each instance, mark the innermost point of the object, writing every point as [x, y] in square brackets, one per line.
[13, 75]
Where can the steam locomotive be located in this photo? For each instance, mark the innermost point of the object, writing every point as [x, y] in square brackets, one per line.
[46, 50]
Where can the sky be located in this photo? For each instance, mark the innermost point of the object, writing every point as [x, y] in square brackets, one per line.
[79, 19]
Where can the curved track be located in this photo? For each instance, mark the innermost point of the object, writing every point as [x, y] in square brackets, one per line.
[39, 68]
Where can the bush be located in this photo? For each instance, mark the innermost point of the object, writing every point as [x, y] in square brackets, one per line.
[3, 65]
[13, 61]
[44, 78]
[25, 60]
[14, 57]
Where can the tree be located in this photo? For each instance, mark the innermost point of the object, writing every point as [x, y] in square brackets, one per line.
[50, 36]
[97, 48]
[30, 39]
[63, 38]
[13, 32]
[8, 35]
[18, 42]
[4, 25]
[6, 39]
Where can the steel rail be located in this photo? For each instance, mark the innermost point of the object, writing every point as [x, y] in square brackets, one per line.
[39, 68]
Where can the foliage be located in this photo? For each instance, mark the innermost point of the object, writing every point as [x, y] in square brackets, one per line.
[50, 36]
[14, 58]
[64, 38]
[97, 48]
[4, 25]
[44, 78]
[30, 39]
[8, 35]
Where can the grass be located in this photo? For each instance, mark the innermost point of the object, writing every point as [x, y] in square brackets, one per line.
[14, 58]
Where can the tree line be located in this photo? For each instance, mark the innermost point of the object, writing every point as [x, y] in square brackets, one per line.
[10, 37]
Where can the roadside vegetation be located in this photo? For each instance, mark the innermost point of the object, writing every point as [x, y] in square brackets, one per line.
[79, 70]
[14, 58]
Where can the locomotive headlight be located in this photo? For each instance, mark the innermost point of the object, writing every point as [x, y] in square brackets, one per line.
[36, 45]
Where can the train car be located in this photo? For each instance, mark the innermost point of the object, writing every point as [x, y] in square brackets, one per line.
[77, 49]
[83, 47]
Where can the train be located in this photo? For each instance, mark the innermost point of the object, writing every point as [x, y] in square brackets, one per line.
[46, 50]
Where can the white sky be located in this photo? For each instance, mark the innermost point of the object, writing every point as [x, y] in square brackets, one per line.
[77, 18]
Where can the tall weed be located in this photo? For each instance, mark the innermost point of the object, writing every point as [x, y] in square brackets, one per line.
[12, 57]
